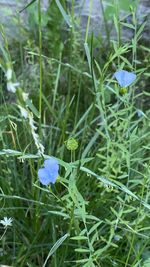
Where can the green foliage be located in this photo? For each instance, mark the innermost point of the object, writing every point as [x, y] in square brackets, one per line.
[33, 19]
[115, 6]
[146, 263]
[97, 214]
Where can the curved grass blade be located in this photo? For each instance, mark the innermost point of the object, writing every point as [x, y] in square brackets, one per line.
[64, 14]
[55, 247]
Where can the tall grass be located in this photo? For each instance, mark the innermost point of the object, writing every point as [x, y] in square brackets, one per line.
[97, 213]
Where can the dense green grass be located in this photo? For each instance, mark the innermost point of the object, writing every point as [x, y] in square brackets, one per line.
[98, 212]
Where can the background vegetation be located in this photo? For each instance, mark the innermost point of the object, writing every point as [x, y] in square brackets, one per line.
[98, 212]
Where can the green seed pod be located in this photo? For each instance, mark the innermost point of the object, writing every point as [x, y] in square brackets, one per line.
[71, 144]
[123, 90]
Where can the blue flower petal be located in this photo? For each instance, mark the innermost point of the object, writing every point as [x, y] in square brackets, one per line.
[49, 173]
[124, 77]
[52, 164]
[44, 177]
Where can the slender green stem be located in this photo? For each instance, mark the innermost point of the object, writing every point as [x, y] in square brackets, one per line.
[40, 64]
[3, 234]
[88, 22]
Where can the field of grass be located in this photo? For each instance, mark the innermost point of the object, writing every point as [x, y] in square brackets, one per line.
[59, 99]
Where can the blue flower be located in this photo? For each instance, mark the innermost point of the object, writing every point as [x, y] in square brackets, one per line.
[49, 173]
[125, 78]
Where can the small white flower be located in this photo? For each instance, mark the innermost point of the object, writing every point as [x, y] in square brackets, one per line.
[23, 111]
[9, 74]
[6, 222]
[11, 87]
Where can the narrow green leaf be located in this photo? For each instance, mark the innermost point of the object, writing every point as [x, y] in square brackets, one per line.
[141, 29]
[116, 24]
[82, 250]
[128, 25]
[79, 238]
[82, 261]
[32, 107]
[58, 213]
[94, 227]
[10, 152]
[87, 51]
[64, 14]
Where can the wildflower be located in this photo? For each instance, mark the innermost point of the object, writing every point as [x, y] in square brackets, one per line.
[11, 87]
[124, 78]
[49, 173]
[9, 74]
[25, 96]
[6, 222]
[39, 146]
[71, 144]
[23, 111]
